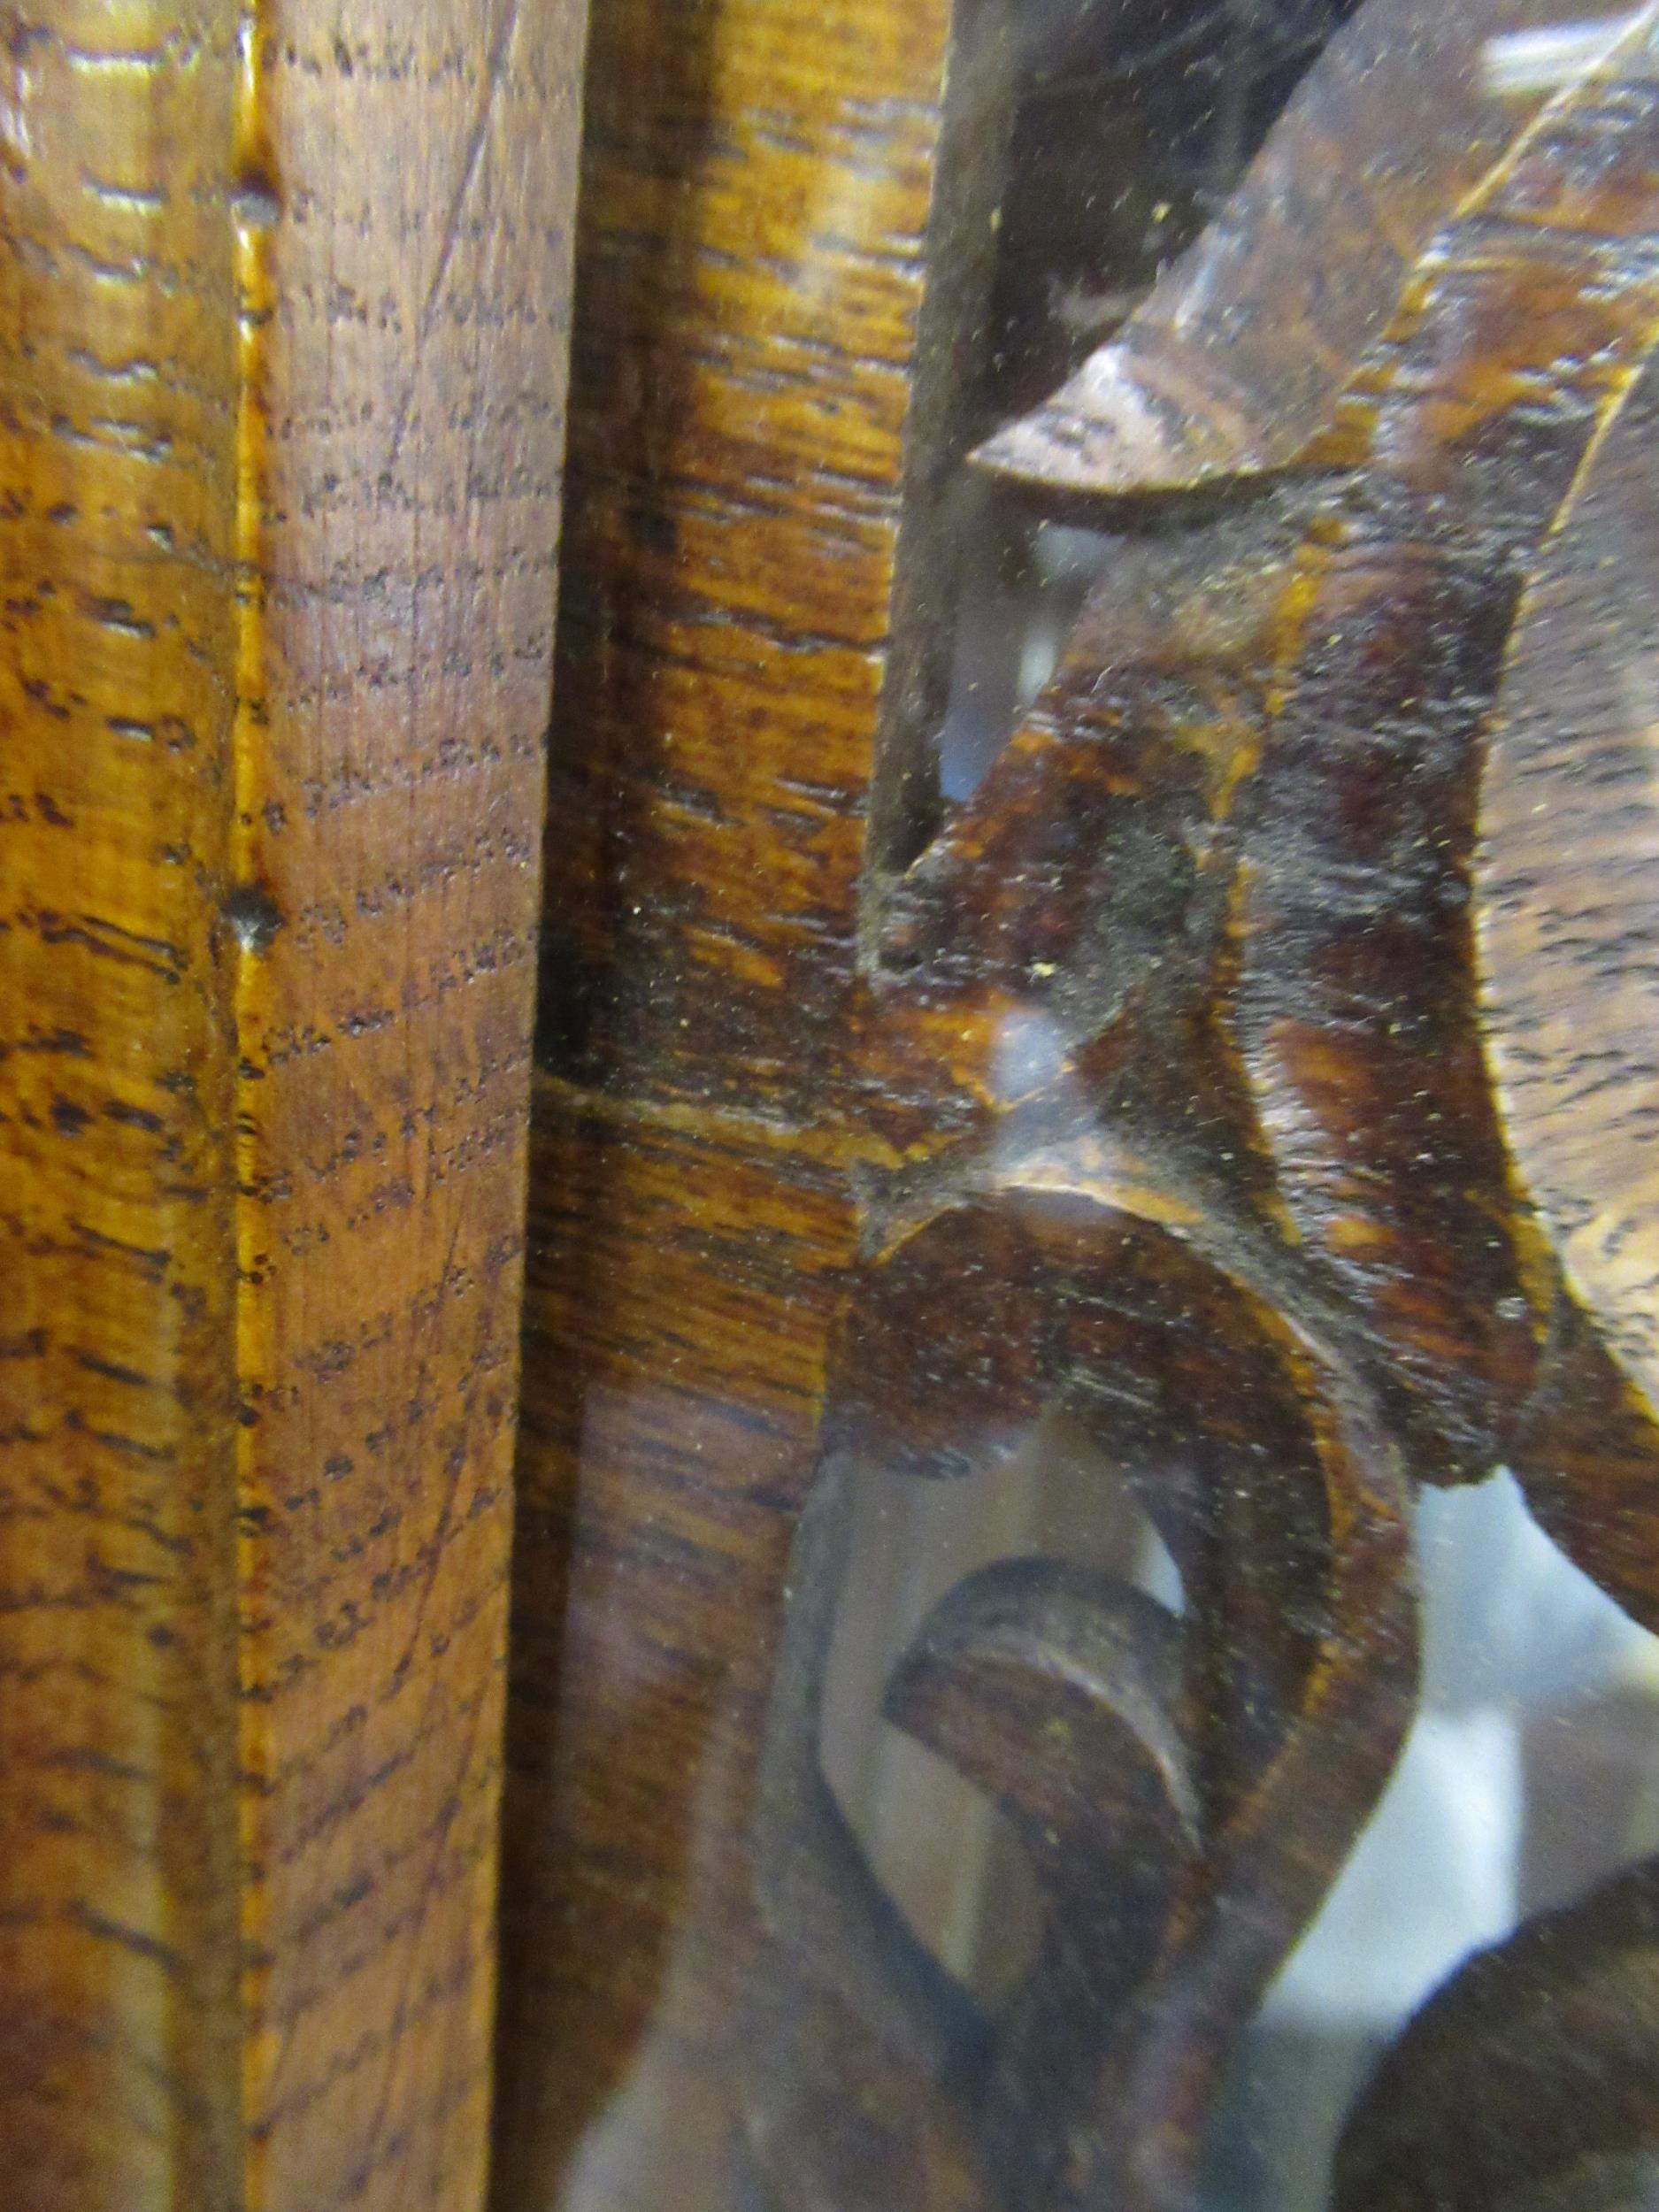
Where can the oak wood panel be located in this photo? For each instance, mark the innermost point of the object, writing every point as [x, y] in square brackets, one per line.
[285, 329]
[118, 1708]
[405, 419]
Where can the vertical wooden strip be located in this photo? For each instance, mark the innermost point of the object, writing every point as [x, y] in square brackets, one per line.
[751, 362]
[284, 321]
[118, 422]
[405, 215]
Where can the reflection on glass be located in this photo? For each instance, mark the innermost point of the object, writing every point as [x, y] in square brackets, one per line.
[1188, 1190]
[1531, 1773]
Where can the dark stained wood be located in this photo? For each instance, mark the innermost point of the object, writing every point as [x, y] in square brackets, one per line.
[1295, 1665]
[1154, 1095]
[1353, 1010]
[1531, 2079]
[1042, 1682]
[284, 337]
[853, 2063]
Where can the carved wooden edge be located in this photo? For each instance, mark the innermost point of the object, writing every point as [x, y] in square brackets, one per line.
[1227, 864]
[283, 331]
[705, 1980]
[1399, 119]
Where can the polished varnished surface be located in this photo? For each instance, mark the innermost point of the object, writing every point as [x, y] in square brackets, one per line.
[118, 1714]
[1158, 1099]
[285, 326]
[1234, 1113]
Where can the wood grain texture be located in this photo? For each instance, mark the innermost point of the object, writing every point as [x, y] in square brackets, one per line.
[404, 422]
[1184, 999]
[1354, 1010]
[286, 332]
[758, 255]
[118, 1938]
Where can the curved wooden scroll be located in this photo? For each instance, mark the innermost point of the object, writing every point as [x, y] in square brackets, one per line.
[1234, 363]
[1531, 2079]
[1186, 1790]
[1257, 1216]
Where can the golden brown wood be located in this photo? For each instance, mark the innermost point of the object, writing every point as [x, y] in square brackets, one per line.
[284, 329]
[120, 1937]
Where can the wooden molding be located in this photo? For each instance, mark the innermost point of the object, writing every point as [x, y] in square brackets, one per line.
[284, 324]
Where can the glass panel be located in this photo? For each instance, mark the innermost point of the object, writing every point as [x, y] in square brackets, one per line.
[1089, 1525]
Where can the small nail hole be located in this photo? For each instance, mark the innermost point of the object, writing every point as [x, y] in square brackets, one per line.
[253, 915]
[254, 204]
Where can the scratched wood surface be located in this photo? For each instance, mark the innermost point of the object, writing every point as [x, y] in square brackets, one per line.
[284, 328]
[119, 1712]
